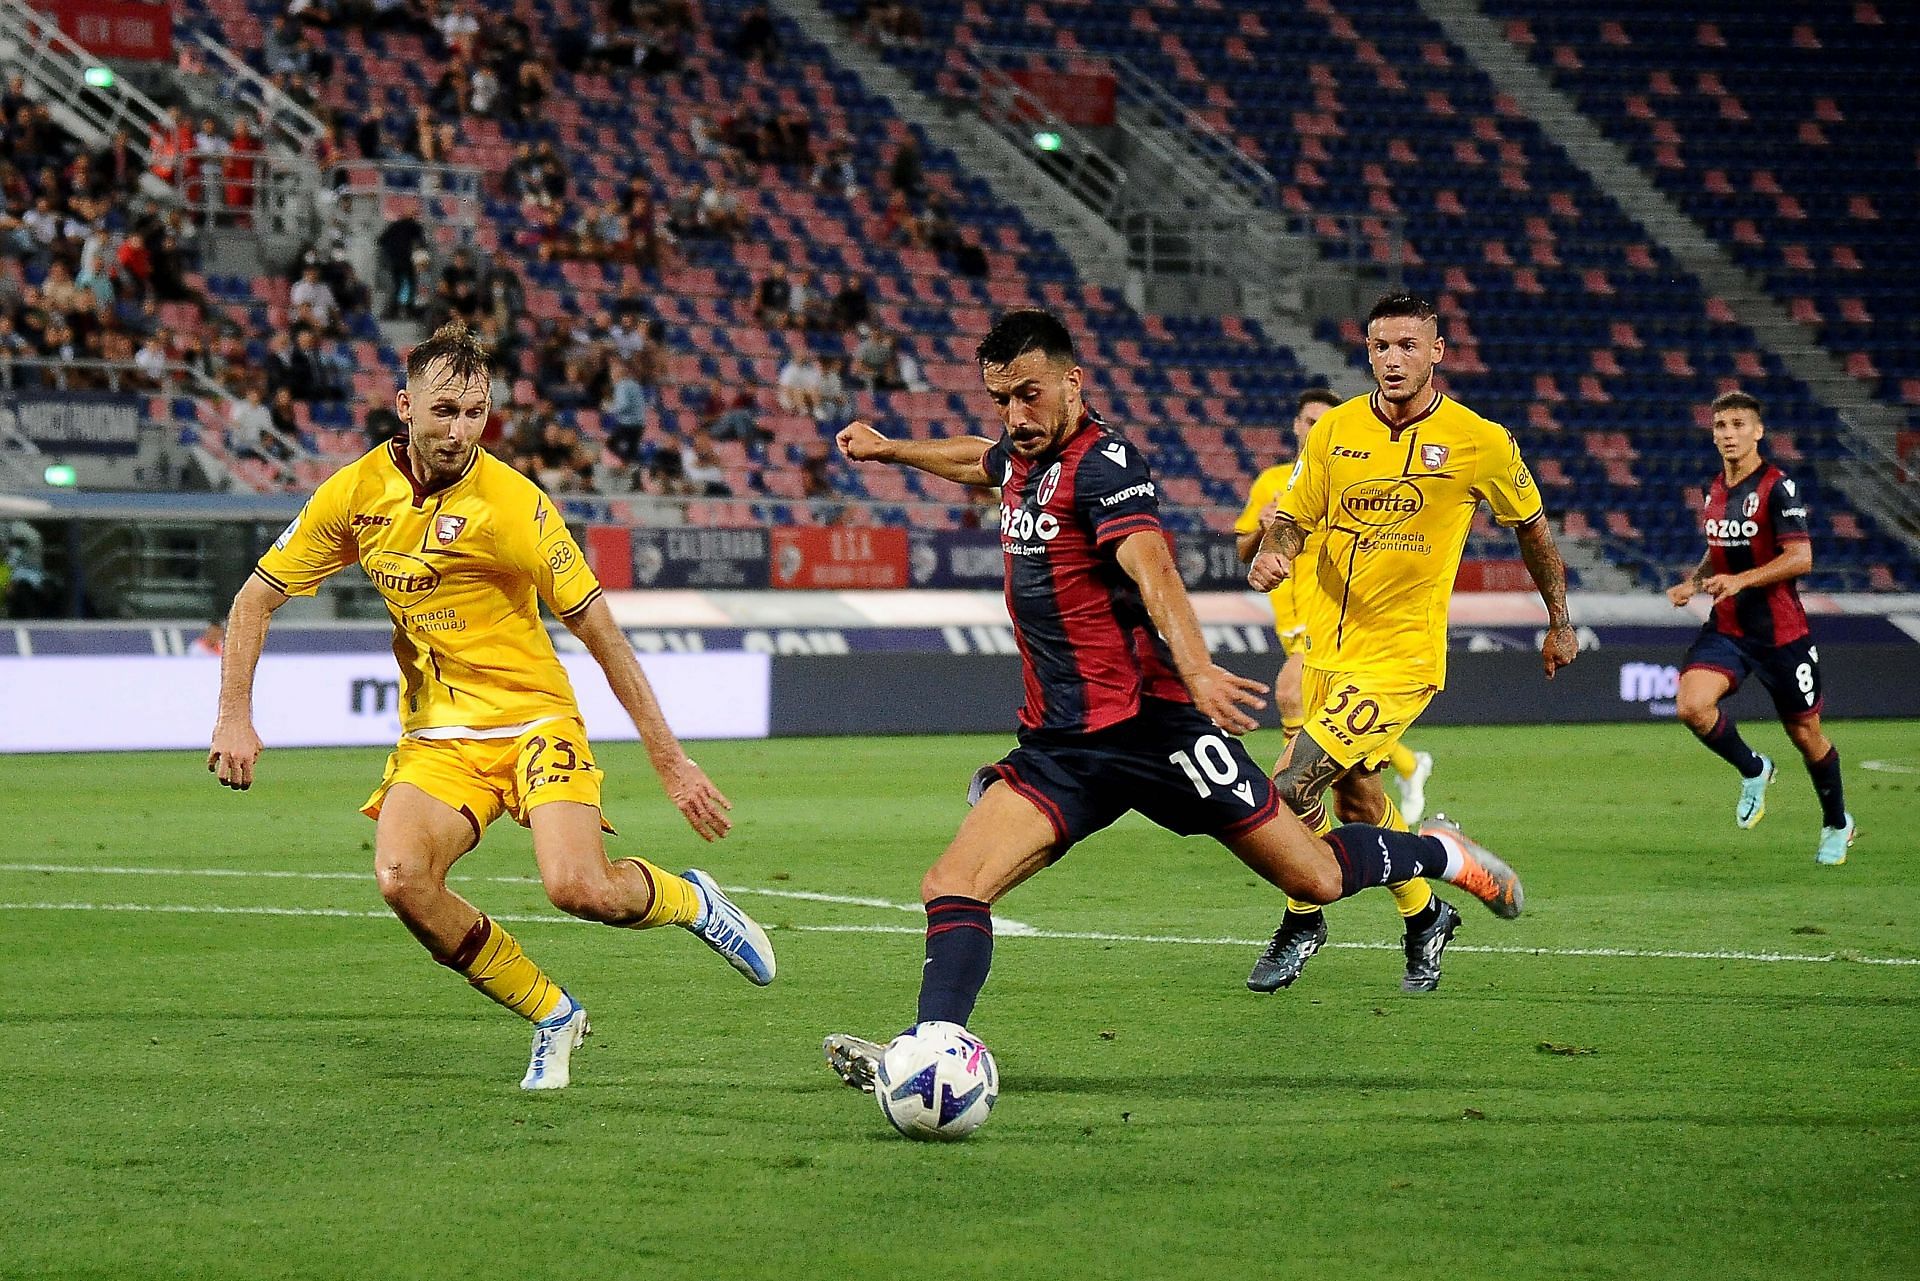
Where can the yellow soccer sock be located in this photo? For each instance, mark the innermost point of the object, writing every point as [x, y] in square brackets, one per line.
[1295, 905]
[1392, 820]
[1411, 897]
[493, 962]
[674, 900]
[1401, 758]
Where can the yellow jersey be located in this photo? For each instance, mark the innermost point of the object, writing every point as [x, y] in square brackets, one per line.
[1288, 599]
[463, 570]
[1395, 504]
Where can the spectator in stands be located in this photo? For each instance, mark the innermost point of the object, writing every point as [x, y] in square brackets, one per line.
[292, 367]
[566, 465]
[836, 171]
[282, 47]
[118, 165]
[381, 425]
[969, 259]
[625, 412]
[313, 293]
[531, 86]
[97, 267]
[700, 133]
[850, 307]
[238, 169]
[728, 414]
[704, 469]
[836, 398]
[907, 174]
[911, 376]
[460, 31]
[720, 212]
[773, 296]
[459, 288]
[800, 384]
[873, 363]
[152, 360]
[755, 39]
[250, 434]
[483, 95]
[399, 241]
[286, 418]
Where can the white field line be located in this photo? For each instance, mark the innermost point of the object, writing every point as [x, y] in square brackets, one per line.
[547, 918]
[1891, 767]
[1002, 925]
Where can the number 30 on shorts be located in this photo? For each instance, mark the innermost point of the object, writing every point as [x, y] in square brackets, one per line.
[1211, 764]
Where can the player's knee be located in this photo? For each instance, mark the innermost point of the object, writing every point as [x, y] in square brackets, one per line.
[940, 882]
[1696, 712]
[404, 882]
[1318, 884]
[588, 897]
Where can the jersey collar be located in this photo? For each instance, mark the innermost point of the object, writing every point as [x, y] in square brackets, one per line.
[1394, 429]
[397, 455]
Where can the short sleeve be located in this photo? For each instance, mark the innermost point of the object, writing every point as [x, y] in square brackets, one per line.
[1501, 477]
[1787, 509]
[1304, 500]
[996, 462]
[1265, 487]
[317, 545]
[540, 543]
[1114, 491]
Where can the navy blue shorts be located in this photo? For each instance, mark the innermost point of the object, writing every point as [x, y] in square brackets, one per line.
[1169, 762]
[1791, 672]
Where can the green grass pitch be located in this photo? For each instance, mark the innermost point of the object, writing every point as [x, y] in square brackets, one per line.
[280, 1084]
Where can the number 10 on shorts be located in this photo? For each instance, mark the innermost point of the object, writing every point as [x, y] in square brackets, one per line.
[1215, 767]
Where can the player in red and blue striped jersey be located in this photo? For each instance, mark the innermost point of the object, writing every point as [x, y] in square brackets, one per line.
[1124, 709]
[1757, 545]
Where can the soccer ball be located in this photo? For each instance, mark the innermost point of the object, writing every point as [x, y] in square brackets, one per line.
[936, 1081]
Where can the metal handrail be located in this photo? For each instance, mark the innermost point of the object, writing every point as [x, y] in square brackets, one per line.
[113, 369]
[1215, 150]
[1079, 164]
[277, 112]
[55, 64]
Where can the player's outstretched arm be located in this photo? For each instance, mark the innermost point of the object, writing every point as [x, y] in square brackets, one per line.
[956, 458]
[1273, 561]
[235, 744]
[1542, 556]
[1218, 694]
[688, 787]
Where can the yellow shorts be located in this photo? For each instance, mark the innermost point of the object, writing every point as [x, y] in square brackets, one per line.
[484, 778]
[1357, 718]
[1287, 623]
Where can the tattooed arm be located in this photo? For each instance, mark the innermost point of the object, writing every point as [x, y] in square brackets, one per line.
[1273, 563]
[1537, 549]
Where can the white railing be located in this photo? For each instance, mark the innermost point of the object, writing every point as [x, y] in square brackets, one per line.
[54, 68]
[285, 122]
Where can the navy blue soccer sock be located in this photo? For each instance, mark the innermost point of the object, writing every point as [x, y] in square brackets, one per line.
[959, 954]
[1724, 741]
[1370, 856]
[1826, 785]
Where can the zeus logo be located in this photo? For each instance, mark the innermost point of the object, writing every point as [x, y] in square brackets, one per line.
[1021, 525]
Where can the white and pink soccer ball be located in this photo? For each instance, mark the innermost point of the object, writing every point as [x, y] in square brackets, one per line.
[936, 1081]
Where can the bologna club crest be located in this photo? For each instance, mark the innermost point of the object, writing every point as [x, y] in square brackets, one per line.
[1048, 483]
[1433, 457]
[447, 528]
[1751, 505]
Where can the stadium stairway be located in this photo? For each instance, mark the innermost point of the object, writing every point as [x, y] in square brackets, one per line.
[1794, 340]
[1565, 317]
